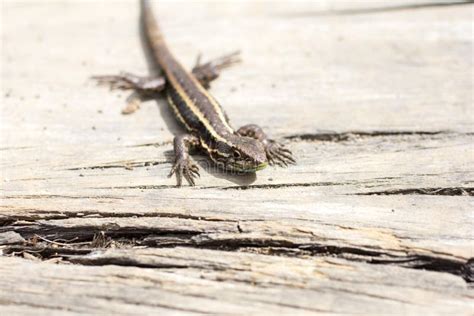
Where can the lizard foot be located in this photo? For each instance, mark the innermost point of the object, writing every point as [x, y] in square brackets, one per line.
[185, 168]
[209, 71]
[278, 155]
[127, 81]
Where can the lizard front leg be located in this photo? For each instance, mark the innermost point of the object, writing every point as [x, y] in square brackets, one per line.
[211, 70]
[145, 88]
[183, 166]
[276, 152]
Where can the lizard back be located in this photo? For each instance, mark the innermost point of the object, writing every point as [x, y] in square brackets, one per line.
[193, 106]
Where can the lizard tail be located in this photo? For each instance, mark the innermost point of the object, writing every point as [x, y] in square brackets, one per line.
[152, 32]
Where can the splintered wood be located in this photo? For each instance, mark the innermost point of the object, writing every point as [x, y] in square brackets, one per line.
[373, 97]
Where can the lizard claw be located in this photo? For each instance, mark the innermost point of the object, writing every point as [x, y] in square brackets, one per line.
[115, 82]
[278, 155]
[185, 168]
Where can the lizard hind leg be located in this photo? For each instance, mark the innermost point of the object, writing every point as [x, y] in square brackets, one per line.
[128, 81]
[144, 88]
[134, 101]
[207, 72]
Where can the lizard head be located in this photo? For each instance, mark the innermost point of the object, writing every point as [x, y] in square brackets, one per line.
[244, 154]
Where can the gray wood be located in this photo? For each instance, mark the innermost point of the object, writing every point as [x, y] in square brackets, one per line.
[195, 281]
[10, 237]
[373, 97]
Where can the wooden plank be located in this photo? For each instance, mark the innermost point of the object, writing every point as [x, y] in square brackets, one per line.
[194, 281]
[437, 236]
[359, 165]
[336, 209]
[322, 88]
[375, 218]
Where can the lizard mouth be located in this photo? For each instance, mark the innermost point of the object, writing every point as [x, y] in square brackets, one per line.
[247, 168]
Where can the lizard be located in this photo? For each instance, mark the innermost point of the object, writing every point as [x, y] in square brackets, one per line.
[247, 149]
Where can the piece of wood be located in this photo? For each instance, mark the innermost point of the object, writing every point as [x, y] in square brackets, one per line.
[195, 281]
[9, 238]
[373, 97]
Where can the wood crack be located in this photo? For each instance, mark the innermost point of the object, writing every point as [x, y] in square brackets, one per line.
[124, 165]
[129, 237]
[55, 196]
[345, 136]
[386, 9]
[236, 187]
[452, 191]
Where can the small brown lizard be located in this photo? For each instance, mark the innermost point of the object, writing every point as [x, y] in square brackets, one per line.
[247, 149]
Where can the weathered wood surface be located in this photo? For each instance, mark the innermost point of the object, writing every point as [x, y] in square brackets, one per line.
[196, 281]
[374, 98]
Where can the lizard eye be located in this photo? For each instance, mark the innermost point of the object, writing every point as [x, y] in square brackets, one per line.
[236, 154]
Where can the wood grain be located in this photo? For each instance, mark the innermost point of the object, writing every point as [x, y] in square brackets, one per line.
[193, 281]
